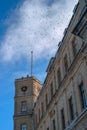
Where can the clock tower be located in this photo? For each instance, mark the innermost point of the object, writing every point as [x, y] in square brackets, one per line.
[26, 92]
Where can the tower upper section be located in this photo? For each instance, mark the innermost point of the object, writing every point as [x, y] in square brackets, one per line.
[26, 91]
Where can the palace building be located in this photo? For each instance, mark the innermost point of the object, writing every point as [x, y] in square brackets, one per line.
[61, 103]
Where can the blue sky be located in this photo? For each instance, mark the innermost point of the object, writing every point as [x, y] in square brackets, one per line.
[27, 25]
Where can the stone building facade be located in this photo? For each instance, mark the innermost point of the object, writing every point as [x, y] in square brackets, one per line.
[62, 101]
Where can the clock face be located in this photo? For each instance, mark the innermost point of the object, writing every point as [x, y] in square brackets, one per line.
[24, 88]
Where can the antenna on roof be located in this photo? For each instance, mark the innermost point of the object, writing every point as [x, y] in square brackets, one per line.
[31, 63]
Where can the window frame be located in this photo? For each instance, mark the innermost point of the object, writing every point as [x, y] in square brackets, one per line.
[46, 100]
[83, 99]
[51, 89]
[71, 109]
[54, 124]
[42, 109]
[23, 106]
[39, 114]
[24, 125]
[48, 128]
[63, 119]
[59, 76]
[74, 47]
[66, 66]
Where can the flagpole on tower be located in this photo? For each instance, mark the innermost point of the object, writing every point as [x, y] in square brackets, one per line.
[31, 63]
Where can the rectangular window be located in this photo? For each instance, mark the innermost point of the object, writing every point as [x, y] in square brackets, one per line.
[39, 115]
[35, 120]
[54, 127]
[59, 76]
[23, 127]
[42, 108]
[23, 106]
[74, 47]
[71, 108]
[82, 95]
[63, 119]
[46, 99]
[51, 90]
[66, 63]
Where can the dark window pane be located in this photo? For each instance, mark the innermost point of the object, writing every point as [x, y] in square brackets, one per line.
[54, 127]
[74, 46]
[42, 108]
[71, 108]
[23, 106]
[46, 98]
[23, 127]
[82, 95]
[63, 119]
[65, 63]
[39, 114]
[51, 90]
[59, 76]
